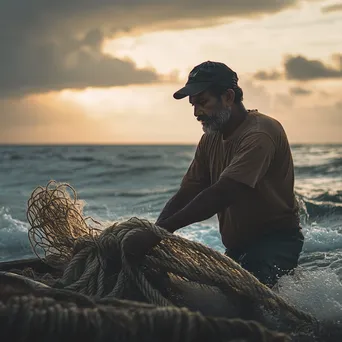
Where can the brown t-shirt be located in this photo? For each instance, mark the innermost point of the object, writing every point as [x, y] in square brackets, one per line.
[256, 154]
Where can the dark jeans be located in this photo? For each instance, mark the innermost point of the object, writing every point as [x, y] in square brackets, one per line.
[272, 256]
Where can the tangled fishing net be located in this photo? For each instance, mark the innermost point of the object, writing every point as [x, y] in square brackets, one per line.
[94, 264]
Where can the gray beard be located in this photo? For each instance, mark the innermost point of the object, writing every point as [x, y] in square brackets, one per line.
[217, 121]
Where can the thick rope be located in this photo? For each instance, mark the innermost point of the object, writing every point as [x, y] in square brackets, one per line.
[58, 227]
[63, 316]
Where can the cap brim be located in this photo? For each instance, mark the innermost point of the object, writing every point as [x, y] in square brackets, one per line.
[191, 89]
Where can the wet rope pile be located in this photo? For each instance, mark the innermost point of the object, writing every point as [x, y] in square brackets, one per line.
[61, 235]
[55, 315]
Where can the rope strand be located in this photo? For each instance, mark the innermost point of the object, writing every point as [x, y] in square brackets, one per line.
[65, 316]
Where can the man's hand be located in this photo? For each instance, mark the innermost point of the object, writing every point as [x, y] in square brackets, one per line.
[138, 243]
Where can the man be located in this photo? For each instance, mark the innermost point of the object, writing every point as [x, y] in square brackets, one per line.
[243, 172]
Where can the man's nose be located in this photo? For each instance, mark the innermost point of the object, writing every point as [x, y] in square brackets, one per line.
[197, 111]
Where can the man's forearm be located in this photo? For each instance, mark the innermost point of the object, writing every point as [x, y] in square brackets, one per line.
[206, 204]
[183, 196]
[203, 206]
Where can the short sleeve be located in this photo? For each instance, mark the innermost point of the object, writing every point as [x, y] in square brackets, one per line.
[198, 171]
[251, 160]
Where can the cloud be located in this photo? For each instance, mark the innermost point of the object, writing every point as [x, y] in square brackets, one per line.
[37, 67]
[118, 15]
[268, 76]
[299, 91]
[54, 45]
[331, 8]
[303, 69]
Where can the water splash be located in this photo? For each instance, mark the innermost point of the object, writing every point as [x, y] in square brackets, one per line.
[318, 292]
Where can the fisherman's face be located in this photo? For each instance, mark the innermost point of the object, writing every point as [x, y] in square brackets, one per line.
[214, 113]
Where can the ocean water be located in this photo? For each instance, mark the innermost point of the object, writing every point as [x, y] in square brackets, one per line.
[119, 182]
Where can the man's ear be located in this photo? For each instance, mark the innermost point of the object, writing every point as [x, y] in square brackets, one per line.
[228, 97]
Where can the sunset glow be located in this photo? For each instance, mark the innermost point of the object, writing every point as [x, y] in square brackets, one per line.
[117, 87]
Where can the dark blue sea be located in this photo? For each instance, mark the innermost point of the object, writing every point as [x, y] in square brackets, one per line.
[119, 182]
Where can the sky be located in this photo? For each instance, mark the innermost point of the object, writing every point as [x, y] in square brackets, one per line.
[104, 72]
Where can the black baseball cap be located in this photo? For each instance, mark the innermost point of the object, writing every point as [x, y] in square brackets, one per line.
[204, 75]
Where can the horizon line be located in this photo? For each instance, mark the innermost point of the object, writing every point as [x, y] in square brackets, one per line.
[141, 144]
